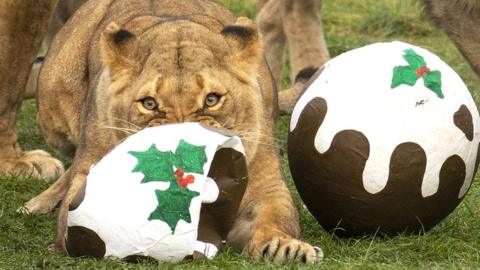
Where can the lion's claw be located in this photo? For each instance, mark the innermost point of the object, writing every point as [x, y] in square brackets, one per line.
[286, 249]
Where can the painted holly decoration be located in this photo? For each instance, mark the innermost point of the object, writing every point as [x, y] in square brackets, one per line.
[156, 165]
[417, 68]
[173, 205]
[159, 166]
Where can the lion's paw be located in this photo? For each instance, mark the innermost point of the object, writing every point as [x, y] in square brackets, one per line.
[285, 249]
[281, 250]
[40, 164]
[39, 205]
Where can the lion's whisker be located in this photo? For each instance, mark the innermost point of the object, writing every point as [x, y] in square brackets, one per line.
[126, 130]
[127, 122]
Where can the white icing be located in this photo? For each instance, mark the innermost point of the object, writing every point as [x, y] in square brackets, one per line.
[357, 88]
[211, 191]
[206, 249]
[117, 205]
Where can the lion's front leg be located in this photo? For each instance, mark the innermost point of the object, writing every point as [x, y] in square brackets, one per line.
[268, 224]
[46, 201]
[68, 190]
[73, 196]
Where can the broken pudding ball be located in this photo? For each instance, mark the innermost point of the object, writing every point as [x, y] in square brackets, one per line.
[168, 192]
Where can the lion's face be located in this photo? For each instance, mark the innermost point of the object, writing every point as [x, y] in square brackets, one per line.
[183, 72]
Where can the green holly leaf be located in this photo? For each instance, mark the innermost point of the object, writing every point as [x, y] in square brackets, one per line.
[190, 158]
[433, 81]
[404, 75]
[155, 165]
[414, 60]
[173, 206]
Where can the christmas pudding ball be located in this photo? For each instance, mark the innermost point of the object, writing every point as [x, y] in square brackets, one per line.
[385, 139]
[168, 192]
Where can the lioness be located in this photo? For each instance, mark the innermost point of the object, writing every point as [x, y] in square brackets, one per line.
[293, 24]
[118, 66]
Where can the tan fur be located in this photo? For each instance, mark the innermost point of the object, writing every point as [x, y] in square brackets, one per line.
[295, 23]
[64, 10]
[22, 25]
[92, 83]
[460, 19]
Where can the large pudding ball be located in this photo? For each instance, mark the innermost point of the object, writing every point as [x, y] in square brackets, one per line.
[385, 139]
[166, 192]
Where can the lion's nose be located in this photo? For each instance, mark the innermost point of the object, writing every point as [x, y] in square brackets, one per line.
[169, 119]
[158, 122]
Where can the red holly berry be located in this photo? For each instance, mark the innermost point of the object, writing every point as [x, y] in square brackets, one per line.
[179, 173]
[422, 71]
[190, 179]
[184, 182]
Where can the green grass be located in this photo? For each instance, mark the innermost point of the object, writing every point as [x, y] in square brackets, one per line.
[453, 244]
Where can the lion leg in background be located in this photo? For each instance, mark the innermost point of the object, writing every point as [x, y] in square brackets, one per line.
[268, 226]
[62, 13]
[298, 24]
[269, 21]
[306, 43]
[461, 21]
[23, 24]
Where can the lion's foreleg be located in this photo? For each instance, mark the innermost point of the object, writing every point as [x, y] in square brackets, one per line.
[46, 201]
[76, 184]
[268, 225]
[96, 144]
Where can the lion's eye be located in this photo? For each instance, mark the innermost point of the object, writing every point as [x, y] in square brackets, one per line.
[149, 104]
[212, 99]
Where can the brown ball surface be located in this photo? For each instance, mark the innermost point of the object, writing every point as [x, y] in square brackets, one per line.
[331, 185]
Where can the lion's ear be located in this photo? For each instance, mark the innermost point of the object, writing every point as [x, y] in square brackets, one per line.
[117, 48]
[246, 45]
